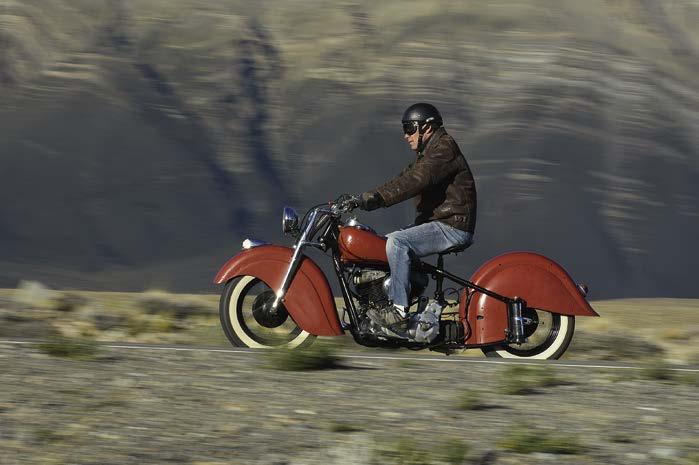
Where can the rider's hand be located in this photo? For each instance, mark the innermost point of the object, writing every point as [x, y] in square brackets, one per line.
[370, 201]
[347, 202]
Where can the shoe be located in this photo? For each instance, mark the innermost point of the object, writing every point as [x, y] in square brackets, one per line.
[390, 317]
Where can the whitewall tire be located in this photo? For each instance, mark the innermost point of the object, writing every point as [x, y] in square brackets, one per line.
[248, 320]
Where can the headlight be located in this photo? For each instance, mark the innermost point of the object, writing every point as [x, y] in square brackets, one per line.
[290, 221]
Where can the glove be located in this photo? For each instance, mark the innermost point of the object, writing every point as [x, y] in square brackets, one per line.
[347, 201]
[370, 201]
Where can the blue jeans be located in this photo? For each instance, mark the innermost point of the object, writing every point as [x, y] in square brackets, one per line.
[419, 241]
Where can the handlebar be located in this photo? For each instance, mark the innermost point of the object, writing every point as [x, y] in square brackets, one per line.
[344, 204]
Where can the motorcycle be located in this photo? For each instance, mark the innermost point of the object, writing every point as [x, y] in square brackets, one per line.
[516, 305]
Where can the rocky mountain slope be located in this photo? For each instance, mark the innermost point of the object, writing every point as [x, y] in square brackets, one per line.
[141, 140]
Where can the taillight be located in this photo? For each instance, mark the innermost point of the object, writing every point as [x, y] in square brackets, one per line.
[583, 289]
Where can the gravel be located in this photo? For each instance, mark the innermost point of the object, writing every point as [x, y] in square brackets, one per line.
[155, 406]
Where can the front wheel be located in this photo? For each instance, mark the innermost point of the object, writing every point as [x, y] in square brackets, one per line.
[547, 337]
[248, 319]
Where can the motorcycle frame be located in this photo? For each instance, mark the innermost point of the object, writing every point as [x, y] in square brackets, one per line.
[329, 239]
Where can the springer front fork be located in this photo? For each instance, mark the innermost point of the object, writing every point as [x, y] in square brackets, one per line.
[294, 264]
[296, 259]
[289, 276]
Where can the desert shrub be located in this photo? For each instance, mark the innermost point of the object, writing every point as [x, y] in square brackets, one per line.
[138, 324]
[689, 378]
[344, 427]
[156, 303]
[524, 439]
[174, 305]
[105, 321]
[319, 356]
[453, 452]
[469, 400]
[111, 402]
[33, 294]
[612, 346]
[187, 309]
[622, 437]
[47, 436]
[68, 302]
[676, 334]
[81, 349]
[399, 451]
[409, 364]
[525, 379]
[415, 450]
[657, 371]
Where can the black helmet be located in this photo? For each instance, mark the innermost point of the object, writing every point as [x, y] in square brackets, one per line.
[417, 117]
[423, 113]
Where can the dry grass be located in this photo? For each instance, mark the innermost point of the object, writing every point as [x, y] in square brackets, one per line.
[318, 356]
[470, 400]
[526, 440]
[524, 379]
[672, 325]
[153, 316]
[628, 329]
[78, 349]
[414, 450]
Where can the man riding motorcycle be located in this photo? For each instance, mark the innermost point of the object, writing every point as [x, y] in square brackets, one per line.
[445, 199]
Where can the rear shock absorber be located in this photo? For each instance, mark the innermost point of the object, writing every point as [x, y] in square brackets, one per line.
[516, 330]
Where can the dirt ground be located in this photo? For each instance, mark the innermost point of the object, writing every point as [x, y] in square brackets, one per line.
[62, 403]
[213, 408]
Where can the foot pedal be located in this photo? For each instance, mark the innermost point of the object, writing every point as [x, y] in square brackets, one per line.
[344, 324]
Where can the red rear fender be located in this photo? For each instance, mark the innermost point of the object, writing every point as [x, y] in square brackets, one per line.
[540, 281]
[309, 299]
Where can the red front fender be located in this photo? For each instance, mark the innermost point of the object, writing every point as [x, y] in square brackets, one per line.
[540, 281]
[309, 299]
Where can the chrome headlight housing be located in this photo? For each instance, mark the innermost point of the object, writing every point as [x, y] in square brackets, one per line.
[290, 221]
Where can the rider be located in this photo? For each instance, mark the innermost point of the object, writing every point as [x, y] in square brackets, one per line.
[445, 193]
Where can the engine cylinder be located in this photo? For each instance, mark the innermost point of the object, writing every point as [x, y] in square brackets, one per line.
[418, 283]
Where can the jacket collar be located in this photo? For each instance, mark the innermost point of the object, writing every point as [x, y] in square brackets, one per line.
[433, 139]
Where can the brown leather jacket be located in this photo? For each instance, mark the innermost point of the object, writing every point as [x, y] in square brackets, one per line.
[441, 182]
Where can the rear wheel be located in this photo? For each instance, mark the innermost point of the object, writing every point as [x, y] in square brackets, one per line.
[547, 337]
[248, 319]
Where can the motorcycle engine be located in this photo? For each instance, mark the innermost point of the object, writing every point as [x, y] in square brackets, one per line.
[371, 288]
[368, 284]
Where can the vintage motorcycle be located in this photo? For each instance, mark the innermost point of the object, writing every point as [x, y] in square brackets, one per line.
[516, 305]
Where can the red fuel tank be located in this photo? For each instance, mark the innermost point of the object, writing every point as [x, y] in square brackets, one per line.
[358, 245]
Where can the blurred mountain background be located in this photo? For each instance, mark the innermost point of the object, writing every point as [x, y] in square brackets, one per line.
[142, 140]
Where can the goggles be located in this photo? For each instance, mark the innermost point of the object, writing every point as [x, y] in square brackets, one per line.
[409, 127]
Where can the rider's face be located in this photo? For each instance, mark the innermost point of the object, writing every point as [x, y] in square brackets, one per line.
[413, 138]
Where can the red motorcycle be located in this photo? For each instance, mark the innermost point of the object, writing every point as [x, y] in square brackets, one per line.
[517, 305]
